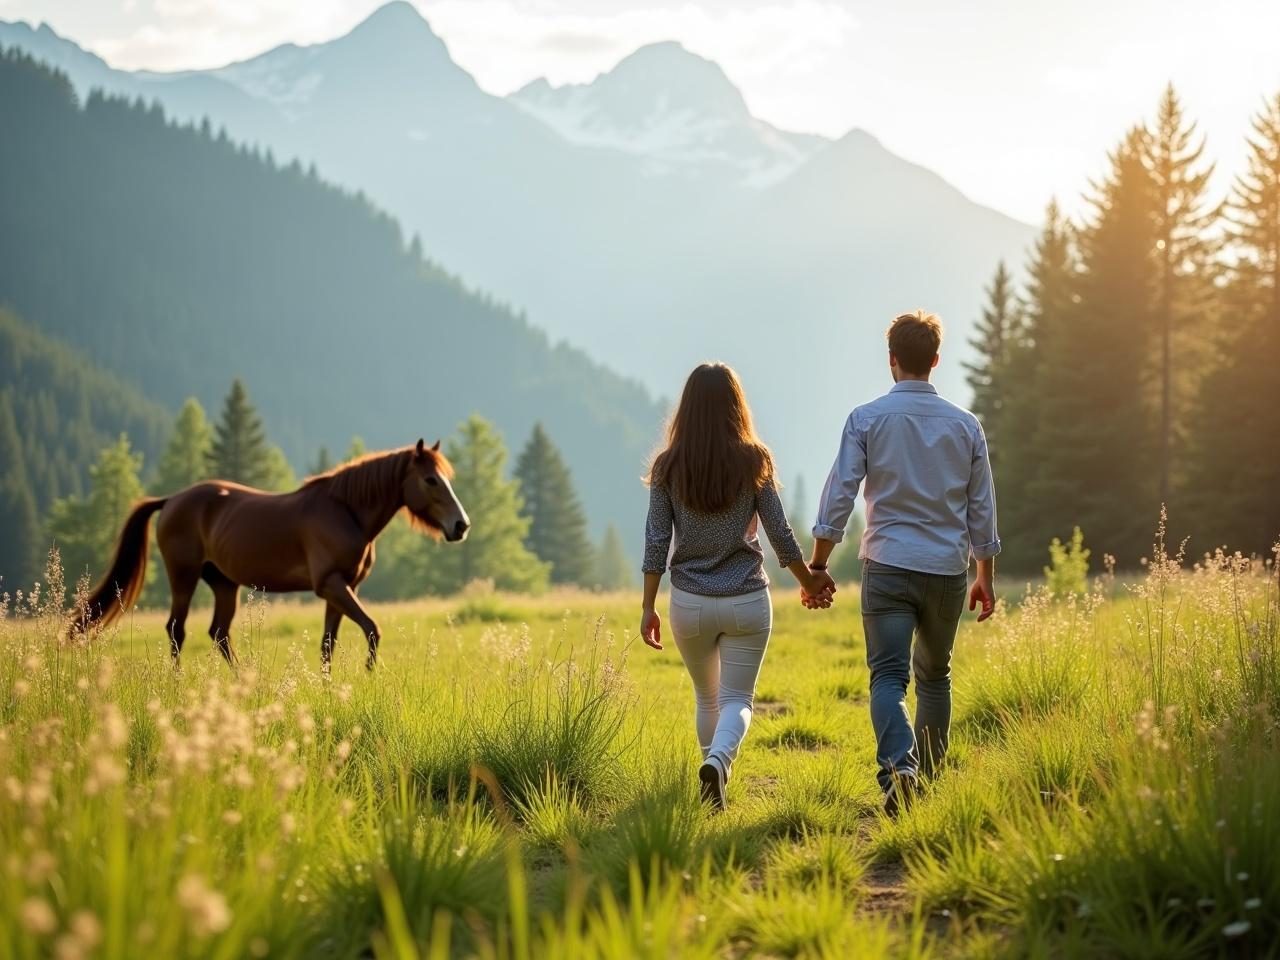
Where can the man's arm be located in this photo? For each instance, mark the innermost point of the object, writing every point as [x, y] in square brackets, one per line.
[983, 590]
[984, 539]
[822, 548]
[840, 492]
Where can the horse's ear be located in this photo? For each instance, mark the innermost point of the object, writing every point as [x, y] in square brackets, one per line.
[435, 447]
[418, 451]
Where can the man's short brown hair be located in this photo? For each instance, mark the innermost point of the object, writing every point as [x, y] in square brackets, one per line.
[914, 339]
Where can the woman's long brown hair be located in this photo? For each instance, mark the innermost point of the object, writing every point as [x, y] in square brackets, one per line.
[712, 452]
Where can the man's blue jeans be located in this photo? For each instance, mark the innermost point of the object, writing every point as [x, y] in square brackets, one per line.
[898, 605]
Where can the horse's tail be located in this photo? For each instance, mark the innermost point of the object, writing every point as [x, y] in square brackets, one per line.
[119, 589]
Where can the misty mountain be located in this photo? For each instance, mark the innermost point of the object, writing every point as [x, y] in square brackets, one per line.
[177, 259]
[647, 217]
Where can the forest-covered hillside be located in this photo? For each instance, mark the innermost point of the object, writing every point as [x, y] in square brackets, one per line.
[178, 260]
[57, 411]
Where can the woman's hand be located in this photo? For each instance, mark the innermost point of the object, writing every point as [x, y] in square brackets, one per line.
[817, 593]
[651, 628]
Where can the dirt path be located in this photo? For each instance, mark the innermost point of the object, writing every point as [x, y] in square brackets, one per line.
[884, 888]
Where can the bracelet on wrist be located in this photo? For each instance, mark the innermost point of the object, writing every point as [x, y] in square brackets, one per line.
[817, 566]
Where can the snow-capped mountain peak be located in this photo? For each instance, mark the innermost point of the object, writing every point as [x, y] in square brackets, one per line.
[394, 47]
[674, 108]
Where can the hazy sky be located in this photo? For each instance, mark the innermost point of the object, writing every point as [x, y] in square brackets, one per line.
[1011, 100]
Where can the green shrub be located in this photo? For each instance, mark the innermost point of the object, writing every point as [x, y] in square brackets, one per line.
[562, 718]
[1068, 570]
[438, 861]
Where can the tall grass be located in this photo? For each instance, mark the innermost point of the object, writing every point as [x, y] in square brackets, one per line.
[516, 781]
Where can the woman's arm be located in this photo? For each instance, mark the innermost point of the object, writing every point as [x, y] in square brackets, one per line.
[816, 586]
[774, 520]
[657, 547]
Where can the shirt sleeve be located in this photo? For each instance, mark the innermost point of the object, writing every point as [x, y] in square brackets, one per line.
[841, 489]
[657, 530]
[984, 540]
[774, 520]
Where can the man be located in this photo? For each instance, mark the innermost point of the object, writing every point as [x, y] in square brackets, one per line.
[930, 505]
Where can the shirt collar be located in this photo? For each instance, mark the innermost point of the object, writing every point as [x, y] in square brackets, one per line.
[913, 386]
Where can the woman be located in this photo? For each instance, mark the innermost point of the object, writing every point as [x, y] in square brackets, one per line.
[709, 485]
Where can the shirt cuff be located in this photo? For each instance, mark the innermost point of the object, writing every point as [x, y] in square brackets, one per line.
[985, 551]
[822, 532]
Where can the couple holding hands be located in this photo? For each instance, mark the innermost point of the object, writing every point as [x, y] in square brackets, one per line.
[930, 506]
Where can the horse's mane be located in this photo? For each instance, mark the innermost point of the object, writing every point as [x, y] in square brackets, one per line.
[374, 478]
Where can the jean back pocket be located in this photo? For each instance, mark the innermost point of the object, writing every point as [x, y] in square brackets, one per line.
[885, 590]
[752, 614]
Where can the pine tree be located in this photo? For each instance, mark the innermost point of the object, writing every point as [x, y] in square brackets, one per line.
[1096, 449]
[355, 449]
[185, 459]
[1182, 254]
[613, 568]
[1090, 449]
[85, 530]
[402, 558]
[557, 523]
[846, 565]
[323, 462]
[1026, 522]
[1236, 454]
[1254, 211]
[494, 549]
[240, 452]
[801, 513]
[20, 539]
[277, 472]
[800, 505]
[996, 338]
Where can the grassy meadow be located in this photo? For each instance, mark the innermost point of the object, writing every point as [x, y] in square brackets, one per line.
[517, 780]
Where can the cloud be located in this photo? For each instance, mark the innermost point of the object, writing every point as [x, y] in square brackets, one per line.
[199, 34]
[571, 43]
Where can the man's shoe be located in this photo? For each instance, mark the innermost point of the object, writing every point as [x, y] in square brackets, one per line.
[901, 792]
[712, 778]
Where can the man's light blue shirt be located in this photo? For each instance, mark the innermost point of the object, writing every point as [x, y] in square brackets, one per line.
[931, 502]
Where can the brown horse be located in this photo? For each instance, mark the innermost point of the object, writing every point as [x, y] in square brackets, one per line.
[319, 537]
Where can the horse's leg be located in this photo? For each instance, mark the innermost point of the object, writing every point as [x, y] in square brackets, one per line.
[182, 584]
[332, 617]
[226, 598]
[339, 594]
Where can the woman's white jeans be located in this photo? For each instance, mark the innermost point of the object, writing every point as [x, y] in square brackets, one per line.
[722, 641]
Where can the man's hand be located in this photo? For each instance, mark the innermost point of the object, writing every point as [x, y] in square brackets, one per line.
[983, 592]
[651, 628]
[818, 592]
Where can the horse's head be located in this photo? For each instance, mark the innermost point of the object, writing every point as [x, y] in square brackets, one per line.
[429, 495]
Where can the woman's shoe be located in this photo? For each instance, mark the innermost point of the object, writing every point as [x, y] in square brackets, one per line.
[712, 778]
